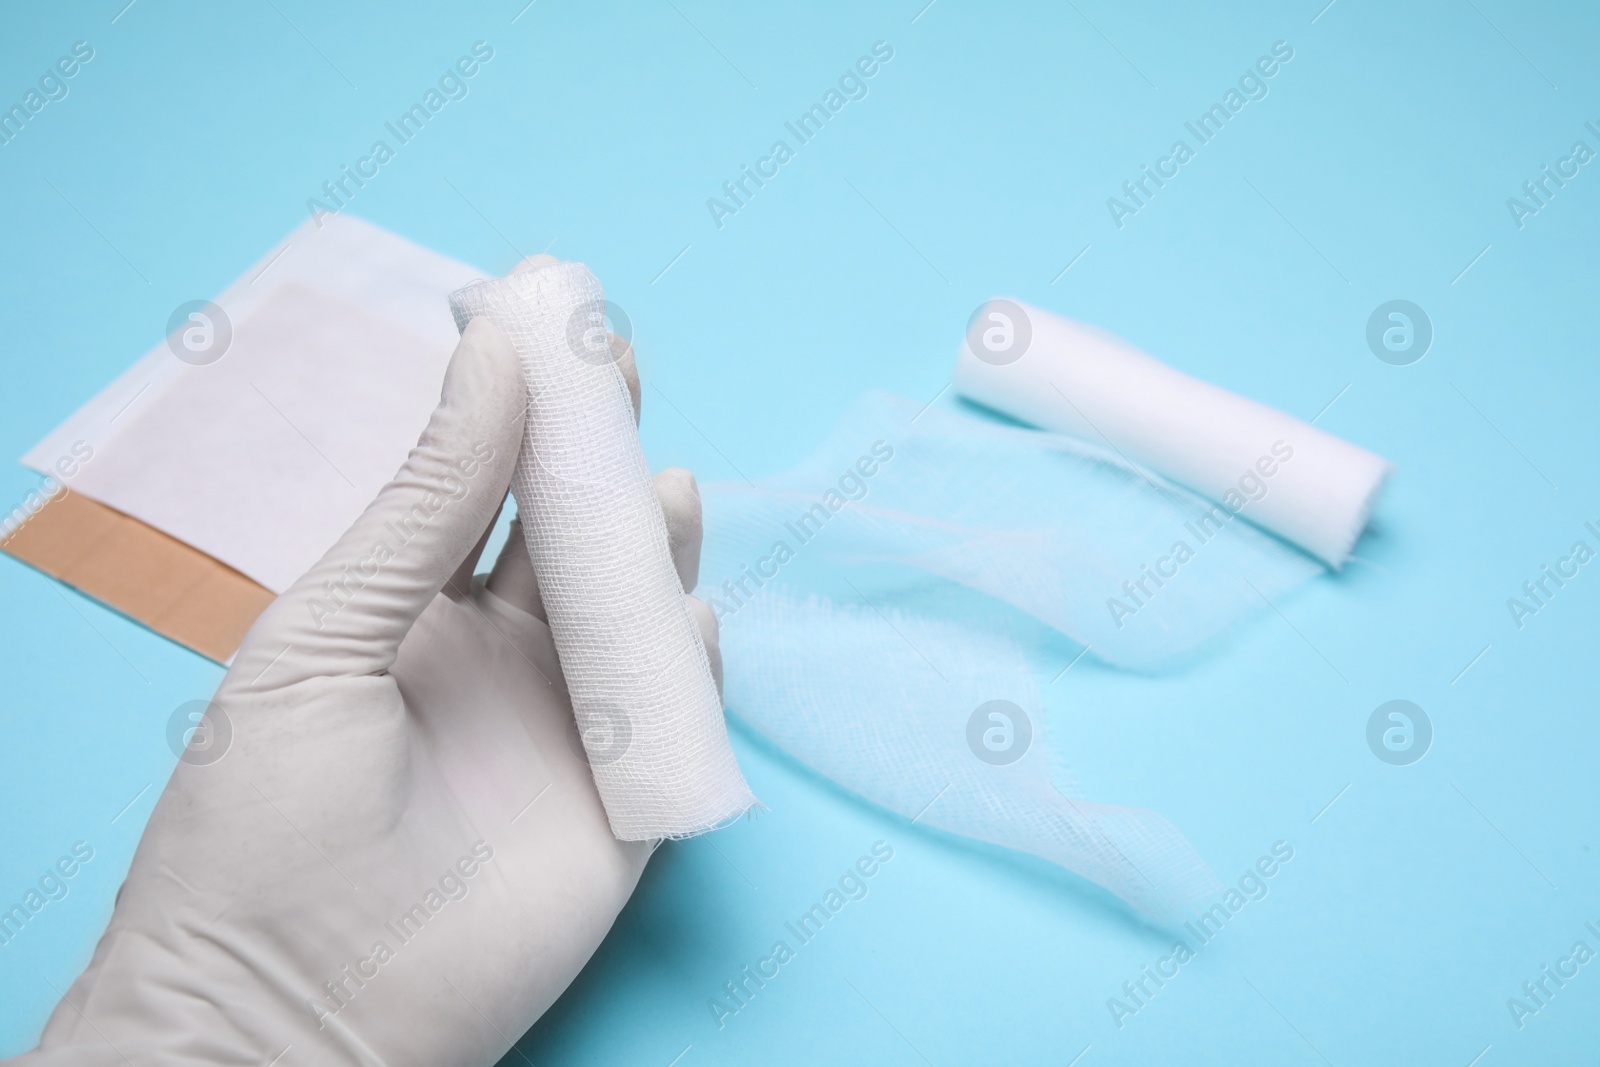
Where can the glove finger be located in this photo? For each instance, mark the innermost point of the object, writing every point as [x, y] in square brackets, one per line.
[513, 579]
[460, 583]
[622, 352]
[348, 614]
[706, 619]
[680, 507]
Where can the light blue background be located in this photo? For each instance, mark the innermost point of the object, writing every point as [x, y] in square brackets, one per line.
[980, 163]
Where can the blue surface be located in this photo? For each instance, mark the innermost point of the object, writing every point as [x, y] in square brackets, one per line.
[980, 162]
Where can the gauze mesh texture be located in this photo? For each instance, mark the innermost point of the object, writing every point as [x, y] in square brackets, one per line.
[642, 691]
[874, 597]
[1141, 571]
[881, 699]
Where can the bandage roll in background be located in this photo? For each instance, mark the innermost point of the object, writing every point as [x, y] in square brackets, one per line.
[642, 690]
[1304, 485]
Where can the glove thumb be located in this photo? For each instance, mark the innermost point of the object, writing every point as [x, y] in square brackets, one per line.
[348, 614]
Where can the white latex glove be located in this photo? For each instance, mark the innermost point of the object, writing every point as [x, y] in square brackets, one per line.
[401, 858]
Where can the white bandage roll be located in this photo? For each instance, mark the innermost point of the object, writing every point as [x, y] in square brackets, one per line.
[642, 690]
[1308, 487]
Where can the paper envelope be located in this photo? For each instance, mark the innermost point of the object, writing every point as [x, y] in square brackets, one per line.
[206, 478]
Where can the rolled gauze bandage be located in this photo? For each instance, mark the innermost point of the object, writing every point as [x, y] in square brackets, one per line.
[1308, 487]
[641, 686]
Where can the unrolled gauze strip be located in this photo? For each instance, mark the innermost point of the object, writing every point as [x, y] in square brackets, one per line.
[641, 685]
[1308, 487]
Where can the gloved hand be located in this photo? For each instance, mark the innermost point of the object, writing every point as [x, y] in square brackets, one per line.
[400, 858]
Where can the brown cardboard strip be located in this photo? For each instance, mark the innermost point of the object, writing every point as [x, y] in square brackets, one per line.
[175, 589]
